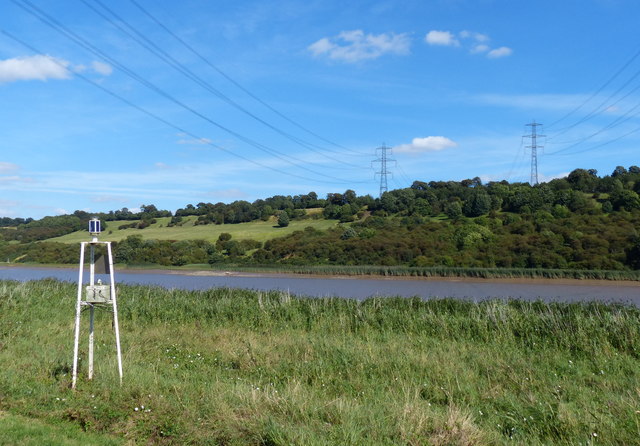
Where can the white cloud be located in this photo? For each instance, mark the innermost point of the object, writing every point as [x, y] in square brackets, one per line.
[322, 46]
[427, 144]
[354, 46]
[478, 37]
[7, 167]
[38, 67]
[503, 51]
[441, 38]
[475, 42]
[480, 48]
[101, 68]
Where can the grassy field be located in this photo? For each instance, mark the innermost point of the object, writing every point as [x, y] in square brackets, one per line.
[256, 230]
[235, 367]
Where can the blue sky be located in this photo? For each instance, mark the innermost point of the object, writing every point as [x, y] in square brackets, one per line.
[288, 97]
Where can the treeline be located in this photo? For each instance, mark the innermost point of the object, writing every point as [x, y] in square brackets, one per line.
[582, 221]
[8, 221]
[134, 250]
[582, 191]
[539, 240]
[578, 222]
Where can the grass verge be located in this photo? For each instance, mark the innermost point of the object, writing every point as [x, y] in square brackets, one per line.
[244, 367]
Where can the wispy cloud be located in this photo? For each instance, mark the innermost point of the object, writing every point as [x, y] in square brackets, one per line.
[474, 42]
[102, 68]
[108, 199]
[39, 67]
[426, 144]
[441, 38]
[532, 101]
[503, 51]
[227, 194]
[194, 141]
[6, 167]
[43, 67]
[354, 46]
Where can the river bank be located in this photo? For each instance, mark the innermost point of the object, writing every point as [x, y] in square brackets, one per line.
[207, 271]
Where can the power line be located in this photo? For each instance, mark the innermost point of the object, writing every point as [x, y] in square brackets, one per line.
[618, 121]
[602, 107]
[404, 176]
[602, 87]
[57, 26]
[163, 120]
[237, 84]
[517, 160]
[156, 50]
[637, 129]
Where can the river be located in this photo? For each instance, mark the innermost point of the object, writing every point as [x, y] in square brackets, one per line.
[360, 287]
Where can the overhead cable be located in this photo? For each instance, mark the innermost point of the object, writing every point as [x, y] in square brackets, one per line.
[238, 85]
[57, 26]
[159, 52]
[163, 120]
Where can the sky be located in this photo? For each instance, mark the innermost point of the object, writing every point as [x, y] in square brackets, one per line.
[120, 103]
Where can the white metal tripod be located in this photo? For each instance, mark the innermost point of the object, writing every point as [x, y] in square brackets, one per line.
[95, 295]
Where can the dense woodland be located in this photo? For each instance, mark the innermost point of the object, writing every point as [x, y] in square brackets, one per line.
[582, 221]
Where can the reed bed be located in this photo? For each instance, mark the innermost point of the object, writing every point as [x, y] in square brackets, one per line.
[441, 271]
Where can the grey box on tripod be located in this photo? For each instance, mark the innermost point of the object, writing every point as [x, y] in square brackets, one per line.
[98, 294]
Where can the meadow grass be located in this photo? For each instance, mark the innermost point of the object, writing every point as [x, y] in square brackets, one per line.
[239, 367]
[256, 230]
[16, 430]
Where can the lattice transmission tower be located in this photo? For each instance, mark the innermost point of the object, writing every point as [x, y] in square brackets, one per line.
[534, 135]
[383, 159]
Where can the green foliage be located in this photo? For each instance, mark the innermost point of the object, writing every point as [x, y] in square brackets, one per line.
[453, 210]
[478, 203]
[135, 250]
[579, 222]
[283, 219]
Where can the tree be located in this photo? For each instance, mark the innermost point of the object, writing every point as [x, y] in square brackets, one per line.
[618, 171]
[283, 219]
[626, 199]
[478, 204]
[453, 210]
[583, 180]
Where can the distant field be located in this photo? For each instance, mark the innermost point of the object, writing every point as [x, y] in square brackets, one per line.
[257, 230]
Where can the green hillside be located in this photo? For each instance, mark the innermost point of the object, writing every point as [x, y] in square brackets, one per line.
[256, 230]
[581, 222]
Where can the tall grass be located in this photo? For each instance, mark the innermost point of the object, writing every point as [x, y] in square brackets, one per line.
[265, 368]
